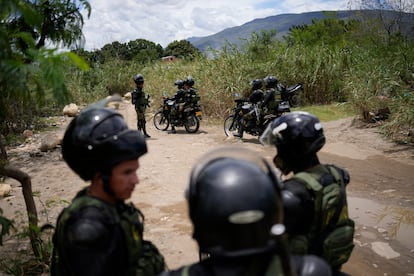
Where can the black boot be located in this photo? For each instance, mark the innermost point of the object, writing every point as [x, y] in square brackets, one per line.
[145, 132]
[173, 130]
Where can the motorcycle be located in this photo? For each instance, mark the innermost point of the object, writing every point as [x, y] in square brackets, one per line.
[249, 114]
[290, 94]
[168, 114]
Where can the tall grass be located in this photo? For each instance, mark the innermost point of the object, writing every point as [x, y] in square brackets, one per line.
[360, 74]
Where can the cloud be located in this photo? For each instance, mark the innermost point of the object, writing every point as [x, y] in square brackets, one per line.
[164, 21]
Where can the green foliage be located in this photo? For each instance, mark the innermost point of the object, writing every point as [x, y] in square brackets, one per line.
[182, 49]
[31, 76]
[341, 62]
[139, 50]
[58, 21]
[329, 112]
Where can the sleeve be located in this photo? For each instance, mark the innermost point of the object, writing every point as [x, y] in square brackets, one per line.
[87, 242]
[151, 261]
[298, 205]
[133, 97]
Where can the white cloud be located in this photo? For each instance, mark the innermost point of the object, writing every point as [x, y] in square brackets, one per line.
[163, 21]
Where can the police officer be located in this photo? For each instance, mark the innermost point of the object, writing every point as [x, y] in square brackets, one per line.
[255, 97]
[191, 96]
[141, 102]
[271, 97]
[179, 98]
[234, 204]
[314, 198]
[98, 233]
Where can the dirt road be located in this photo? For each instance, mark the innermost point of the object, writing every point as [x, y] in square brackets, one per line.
[380, 193]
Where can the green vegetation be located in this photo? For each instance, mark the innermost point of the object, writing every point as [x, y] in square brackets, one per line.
[347, 68]
[329, 112]
[356, 63]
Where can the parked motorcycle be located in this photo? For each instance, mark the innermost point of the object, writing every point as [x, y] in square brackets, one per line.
[291, 94]
[168, 114]
[249, 114]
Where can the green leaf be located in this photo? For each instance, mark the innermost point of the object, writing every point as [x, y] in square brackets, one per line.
[78, 61]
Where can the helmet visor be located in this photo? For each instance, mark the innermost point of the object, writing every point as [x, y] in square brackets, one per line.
[271, 135]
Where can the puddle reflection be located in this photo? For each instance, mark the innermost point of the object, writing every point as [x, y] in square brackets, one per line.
[392, 222]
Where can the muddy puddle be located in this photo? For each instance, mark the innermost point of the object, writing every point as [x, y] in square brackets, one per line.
[391, 222]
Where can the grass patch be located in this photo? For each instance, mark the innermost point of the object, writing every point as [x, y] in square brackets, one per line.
[330, 112]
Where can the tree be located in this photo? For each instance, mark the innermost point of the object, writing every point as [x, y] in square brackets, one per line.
[57, 22]
[29, 76]
[144, 51]
[181, 49]
[259, 44]
[395, 16]
[328, 31]
[139, 50]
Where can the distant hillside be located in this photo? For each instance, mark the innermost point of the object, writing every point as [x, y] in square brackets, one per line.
[282, 23]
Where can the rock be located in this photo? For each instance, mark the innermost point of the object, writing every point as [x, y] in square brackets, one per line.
[384, 250]
[5, 190]
[27, 133]
[49, 142]
[381, 230]
[71, 110]
[127, 96]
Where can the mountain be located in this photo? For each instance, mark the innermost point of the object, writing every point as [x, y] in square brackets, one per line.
[283, 22]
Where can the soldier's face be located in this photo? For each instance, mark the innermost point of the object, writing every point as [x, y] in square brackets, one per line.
[123, 179]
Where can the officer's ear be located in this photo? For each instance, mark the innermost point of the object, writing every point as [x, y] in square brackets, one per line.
[97, 178]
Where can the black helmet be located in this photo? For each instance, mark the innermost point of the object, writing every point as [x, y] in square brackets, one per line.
[256, 84]
[270, 81]
[98, 139]
[179, 84]
[234, 200]
[138, 79]
[189, 81]
[296, 135]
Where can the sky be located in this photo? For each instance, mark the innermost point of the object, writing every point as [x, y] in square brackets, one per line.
[164, 21]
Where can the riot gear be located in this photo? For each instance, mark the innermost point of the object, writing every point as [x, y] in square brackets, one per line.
[270, 81]
[234, 200]
[141, 102]
[189, 81]
[98, 139]
[179, 84]
[256, 84]
[297, 135]
[138, 79]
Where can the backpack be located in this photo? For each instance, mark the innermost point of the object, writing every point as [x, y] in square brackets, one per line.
[332, 233]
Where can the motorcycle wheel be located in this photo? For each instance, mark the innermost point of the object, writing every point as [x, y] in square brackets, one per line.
[230, 125]
[294, 100]
[191, 124]
[160, 121]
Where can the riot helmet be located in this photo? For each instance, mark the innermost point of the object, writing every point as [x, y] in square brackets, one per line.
[189, 81]
[297, 136]
[138, 79]
[97, 140]
[256, 84]
[179, 84]
[234, 200]
[270, 81]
